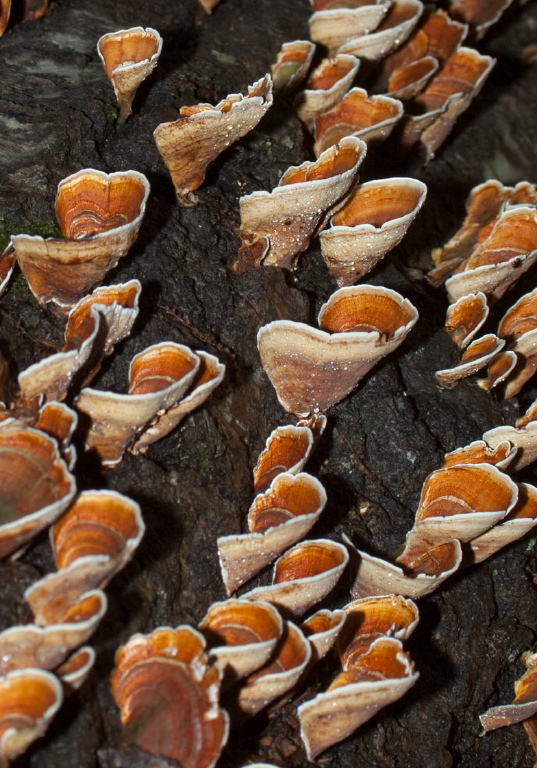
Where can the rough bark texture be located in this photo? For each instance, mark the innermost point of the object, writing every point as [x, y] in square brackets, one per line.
[58, 115]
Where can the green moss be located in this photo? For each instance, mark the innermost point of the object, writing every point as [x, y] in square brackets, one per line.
[44, 228]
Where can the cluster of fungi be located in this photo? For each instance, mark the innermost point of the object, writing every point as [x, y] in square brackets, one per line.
[393, 68]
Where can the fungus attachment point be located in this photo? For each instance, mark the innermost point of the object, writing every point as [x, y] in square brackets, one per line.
[128, 57]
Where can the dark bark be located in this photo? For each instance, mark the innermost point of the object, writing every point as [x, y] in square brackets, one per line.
[58, 115]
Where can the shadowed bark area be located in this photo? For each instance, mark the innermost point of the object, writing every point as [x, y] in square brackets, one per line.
[58, 115]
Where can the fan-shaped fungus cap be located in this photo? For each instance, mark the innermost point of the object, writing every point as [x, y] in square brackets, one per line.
[370, 118]
[29, 699]
[35, 485]
[465, 317]
[304, 575]
[524, 704]
[313, 369]
[128, 57]
[167, 694]
[326, 86]
[100, 215]
[190, 144]
[479, 14]
[397, 25]
[242, 633]
[335, 23]
[5, 10]
[480, 352]
[433, 112]
[159, 377]
[276, 226]
[322, 630]
[292, 64]
[280, 675]
[374, 220]
[377, 678]
[287, 449]
[278, 518]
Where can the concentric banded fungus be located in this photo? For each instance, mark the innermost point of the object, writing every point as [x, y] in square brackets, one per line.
[375, 679]
[278, 225]
[374, 220]
[370, 118]
[287, 450]
[243, 634]
[99, 215]
[459, 502]
[304, 575]
[168, 696]
[479, 14]
[335, 23]
[60, 422]
[521, 519]
[91, 543]
[327, 85]
[372, 617]
[419, 578]
[159, 377]
[5, 10]
[277, 519]
[409, 80]
[499, 369]
[190, 144]
[397, 25]
[35, 485]
[519, 327]
[498, 261]
[128, 57]
[484, 205]
[479, 452]
[209, 375]
[433, 112]
[292, 64]
[322, 630]
[75, 670]
[29, 699]
[465, 317]
[444, 34]
[480, 352]
[313, 369]
[280, 675]
[48, 647]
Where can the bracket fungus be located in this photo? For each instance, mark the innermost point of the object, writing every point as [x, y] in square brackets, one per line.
[167, 381]
[190, 144]
[393, 30]
[313, 369]
[167, 693]
[333, 24]
[374, 219]
[276, 226]
[322, 630]
[287, 449]
[524, 705]
[278, 518]
[370, 118]
[100, 215]
[292, 64]
[35, 485]
[326, 86]
[128, 57]
[242, 634]
[29, 699]
[304, 575]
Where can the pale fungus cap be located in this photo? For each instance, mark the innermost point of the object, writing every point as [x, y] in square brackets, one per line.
[478, 354]
[524, 705]
[128, 57]
[396, 27]
[167, 693]
[29, 699]
[333, 26]
[479, 14]
[278, 518]
[190, 144]
[313, 369]
[287, 449]
[322, 630]
[326, 86]
[276, 226]
[100, 216]
[465, 317]
[75, 670]
[374, 220]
